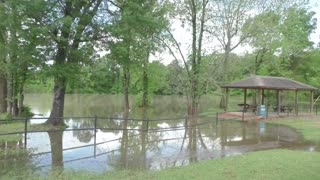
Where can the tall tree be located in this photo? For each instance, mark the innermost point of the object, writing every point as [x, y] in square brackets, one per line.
[69, 28]
[3, 80]
[134, 28]
[284, 34]
[16, 59]
[194, 14]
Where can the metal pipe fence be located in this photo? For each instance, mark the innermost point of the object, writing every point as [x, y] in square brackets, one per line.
[95, 127]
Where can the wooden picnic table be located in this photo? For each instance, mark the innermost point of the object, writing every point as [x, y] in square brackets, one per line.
[246, 107]
[283, 108]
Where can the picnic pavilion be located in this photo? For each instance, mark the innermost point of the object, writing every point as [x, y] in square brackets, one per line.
[261, 84]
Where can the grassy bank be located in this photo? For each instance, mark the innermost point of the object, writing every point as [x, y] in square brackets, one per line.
[18, 127]
[263, 165]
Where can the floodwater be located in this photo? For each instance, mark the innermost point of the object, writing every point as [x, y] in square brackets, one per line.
[165, 138]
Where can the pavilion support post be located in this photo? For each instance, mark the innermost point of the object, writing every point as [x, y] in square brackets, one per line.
[278, 102]
[244, 102]
[311, 101]
[296, 103]
[262, 96]
[258, 101]
[226, 100]
[266, 105]
[245, 96]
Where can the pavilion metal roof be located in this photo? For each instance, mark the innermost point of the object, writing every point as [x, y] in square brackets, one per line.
[269, 82]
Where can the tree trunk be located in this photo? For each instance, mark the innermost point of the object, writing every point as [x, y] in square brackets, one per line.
[225, 76]
[9, 93]
[126, 80]
[3, 94]
[56, 116]
[145, 85]
[14, 97]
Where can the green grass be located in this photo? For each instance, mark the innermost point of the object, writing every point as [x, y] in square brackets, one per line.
[11, 128]
[15, 127]
[309, 127]
[263, 165]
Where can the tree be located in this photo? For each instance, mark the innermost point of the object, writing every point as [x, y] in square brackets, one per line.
[134, 28]
[280, 36]
[69, 28]
[16, 59]
[193, 13]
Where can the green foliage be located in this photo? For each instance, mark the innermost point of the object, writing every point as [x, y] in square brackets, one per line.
[26, 112]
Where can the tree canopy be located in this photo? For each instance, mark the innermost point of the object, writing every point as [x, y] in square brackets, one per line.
[109, 46]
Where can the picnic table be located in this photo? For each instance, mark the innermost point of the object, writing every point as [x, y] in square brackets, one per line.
[246, 107]
[283, 108]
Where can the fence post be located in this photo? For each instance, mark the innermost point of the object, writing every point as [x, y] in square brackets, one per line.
[25, 131]
[95, 134]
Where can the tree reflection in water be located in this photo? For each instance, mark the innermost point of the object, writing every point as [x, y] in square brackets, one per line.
[133, 148]
[154, 144]
[56, 150]
[192, 135]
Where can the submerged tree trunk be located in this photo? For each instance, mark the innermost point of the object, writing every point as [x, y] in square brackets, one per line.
[126, 81]
[145, 85]
[56, 116]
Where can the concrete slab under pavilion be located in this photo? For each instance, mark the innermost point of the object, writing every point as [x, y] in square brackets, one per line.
[263, 84]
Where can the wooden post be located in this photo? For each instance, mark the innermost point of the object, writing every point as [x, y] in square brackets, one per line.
[296, 102]
[278, 102]
[245, 96]
[259, 101]
[266, 105]
[244, 103]
[226, 100]
[311, 102]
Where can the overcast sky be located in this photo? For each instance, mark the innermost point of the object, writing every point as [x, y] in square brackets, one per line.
[184, 38]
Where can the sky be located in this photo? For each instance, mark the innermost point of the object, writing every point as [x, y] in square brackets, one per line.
[315, 37]
[183, 37]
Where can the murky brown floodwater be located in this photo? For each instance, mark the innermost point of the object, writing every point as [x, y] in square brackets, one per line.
[163, 141]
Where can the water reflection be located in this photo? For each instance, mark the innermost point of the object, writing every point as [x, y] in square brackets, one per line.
[56, 150]
[151, 144]
[154, 145]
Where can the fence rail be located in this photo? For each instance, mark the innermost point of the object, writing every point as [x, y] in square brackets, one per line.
[95, 127]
